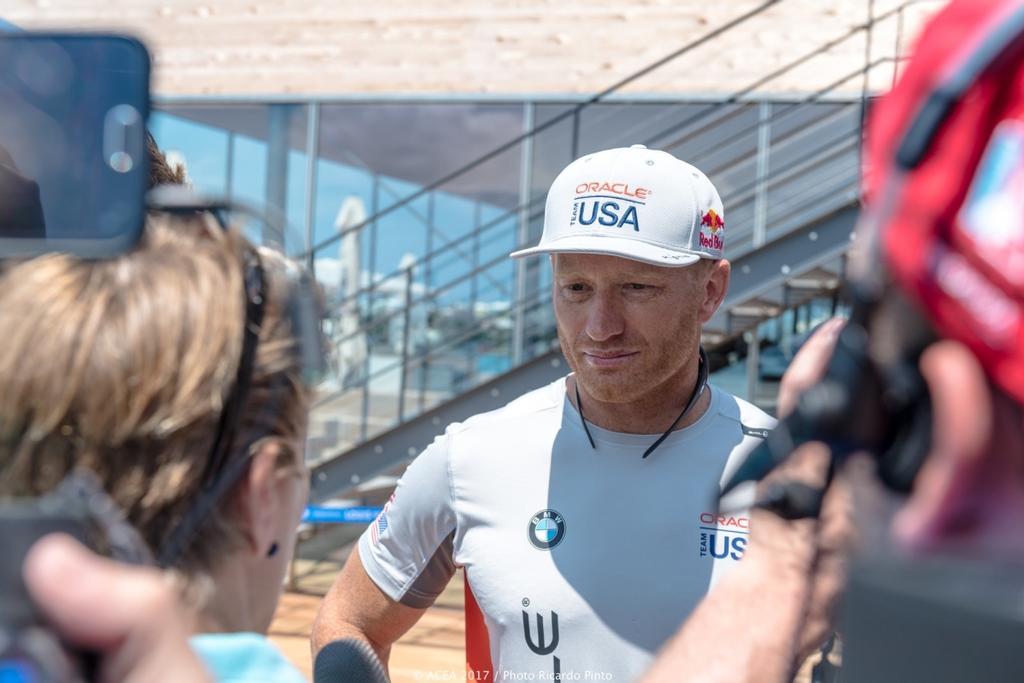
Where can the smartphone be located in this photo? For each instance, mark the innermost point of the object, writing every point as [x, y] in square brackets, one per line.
[73, 163]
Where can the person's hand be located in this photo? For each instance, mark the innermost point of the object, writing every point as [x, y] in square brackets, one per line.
[129, 615]
[808, 366]
[970, 491]
[809, 554]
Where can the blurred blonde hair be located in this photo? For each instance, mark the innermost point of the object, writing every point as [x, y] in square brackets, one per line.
[122, 366]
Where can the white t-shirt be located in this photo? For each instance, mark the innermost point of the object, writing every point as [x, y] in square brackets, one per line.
[583, 561]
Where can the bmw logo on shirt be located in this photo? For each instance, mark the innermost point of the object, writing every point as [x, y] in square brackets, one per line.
[546, 530]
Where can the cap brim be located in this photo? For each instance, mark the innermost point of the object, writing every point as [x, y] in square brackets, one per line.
[622, 247]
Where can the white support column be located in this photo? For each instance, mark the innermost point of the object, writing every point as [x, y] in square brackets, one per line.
[523, 234]
[753, 363]
[764, 142]
[312, 150]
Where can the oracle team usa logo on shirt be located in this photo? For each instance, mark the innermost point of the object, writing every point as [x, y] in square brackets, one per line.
[546, 529]
[722, 537]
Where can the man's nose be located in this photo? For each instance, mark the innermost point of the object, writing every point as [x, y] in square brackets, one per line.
[605, 318]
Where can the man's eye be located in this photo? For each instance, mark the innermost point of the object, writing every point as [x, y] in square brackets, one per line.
[576, 287]
[636, 286]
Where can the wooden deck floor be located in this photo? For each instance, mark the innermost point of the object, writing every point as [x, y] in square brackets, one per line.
[434, 645]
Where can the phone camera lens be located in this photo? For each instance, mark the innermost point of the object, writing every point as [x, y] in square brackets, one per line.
[122, 163]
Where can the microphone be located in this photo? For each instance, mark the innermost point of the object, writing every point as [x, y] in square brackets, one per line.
[348, 661]
[857, 406]
[825, 412]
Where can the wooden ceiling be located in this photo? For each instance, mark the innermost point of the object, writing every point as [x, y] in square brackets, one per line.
[473, 47]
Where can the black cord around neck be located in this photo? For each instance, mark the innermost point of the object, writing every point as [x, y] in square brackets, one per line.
[698, 391]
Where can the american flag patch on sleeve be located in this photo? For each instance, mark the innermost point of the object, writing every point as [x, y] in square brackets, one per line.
[380, 525]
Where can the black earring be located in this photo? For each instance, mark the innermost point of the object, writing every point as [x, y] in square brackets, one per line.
[273, 549]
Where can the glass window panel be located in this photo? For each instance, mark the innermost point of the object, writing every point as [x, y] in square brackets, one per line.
[552, 151]
[340, 186]
[203, 149]
[249, 178]
[254, 153]
[421, 143]
[401, 234]
[295, 231]
[497, 242]
[381, 155]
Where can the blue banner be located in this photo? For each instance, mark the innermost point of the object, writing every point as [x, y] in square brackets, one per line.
[316, 514]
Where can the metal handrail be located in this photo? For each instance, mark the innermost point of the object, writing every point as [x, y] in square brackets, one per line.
[435, 292]
[790, 108]
[439, 251]
[432, 352]
[431, 225]
[734, 98]
[790, 171]
[480, 230]
[795, 168]
[832, 149]
[803, 164]
[574, 111]
[737, 97]
[408, 361]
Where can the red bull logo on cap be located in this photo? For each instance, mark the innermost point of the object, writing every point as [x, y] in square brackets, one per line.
[712, 221]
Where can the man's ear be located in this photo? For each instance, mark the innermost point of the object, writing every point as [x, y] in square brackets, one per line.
[715, 288]
[259, 499]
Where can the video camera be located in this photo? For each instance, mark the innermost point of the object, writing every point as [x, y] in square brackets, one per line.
[944, 150]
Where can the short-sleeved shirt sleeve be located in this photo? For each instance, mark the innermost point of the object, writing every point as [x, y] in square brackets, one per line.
[407, 550]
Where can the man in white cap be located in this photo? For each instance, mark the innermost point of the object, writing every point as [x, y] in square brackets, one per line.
[584, 513]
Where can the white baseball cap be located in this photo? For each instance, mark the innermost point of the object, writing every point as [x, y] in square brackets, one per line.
[633, 202]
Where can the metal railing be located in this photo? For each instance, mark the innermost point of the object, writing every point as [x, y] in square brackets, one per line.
[573, 113]
[779, 165]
